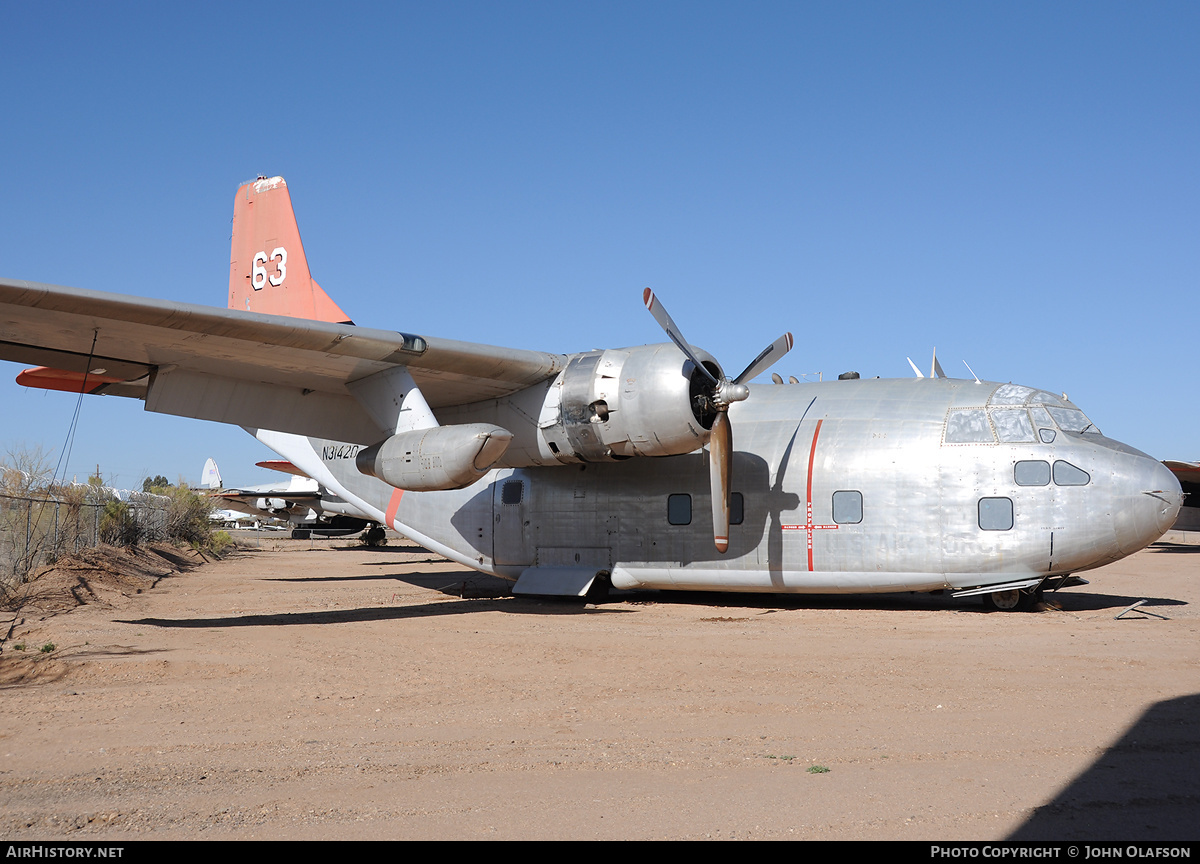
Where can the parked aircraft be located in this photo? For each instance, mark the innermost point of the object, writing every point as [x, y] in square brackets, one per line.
[301, 502]
[1188, 475]
[640, 467]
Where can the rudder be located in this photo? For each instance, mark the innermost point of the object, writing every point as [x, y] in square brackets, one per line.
[268, 271]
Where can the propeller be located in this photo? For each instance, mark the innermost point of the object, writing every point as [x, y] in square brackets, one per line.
[722, 393]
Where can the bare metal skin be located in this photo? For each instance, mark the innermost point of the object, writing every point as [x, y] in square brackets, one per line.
[645, 466]
[1081, 500]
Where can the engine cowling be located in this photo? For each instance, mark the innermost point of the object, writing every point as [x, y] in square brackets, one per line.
[615, 404]
[428, 460]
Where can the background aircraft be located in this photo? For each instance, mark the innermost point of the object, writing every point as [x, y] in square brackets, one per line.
[1188, 475]
[301, 502]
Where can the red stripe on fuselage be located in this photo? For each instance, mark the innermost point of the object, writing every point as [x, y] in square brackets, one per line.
[393, 506]
[812, 455]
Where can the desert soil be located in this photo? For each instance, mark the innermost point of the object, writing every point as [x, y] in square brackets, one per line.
[305, 691]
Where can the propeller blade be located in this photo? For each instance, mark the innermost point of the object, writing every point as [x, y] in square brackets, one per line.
[766, 359]
[666, 323]
[720, 461]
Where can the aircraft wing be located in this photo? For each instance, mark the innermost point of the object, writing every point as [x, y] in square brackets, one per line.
[1186, 471]
[247, 502]
[250, 369]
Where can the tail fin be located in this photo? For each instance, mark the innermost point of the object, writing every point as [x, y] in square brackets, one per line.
[210, 478]
[267, 268]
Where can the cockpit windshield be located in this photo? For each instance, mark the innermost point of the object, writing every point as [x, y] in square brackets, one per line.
[1017, 414]
[1072, 420]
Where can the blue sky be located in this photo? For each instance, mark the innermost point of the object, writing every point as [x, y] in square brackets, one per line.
[1015, 183]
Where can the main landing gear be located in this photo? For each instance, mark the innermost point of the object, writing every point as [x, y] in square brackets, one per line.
[1016, 600]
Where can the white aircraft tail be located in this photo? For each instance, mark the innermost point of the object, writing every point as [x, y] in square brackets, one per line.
[211, 476]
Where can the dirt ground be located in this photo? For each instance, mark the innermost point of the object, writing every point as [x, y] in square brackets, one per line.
[305, 691]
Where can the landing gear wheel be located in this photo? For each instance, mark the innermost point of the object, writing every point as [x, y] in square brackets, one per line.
[598, 592]
[375, 536]
[1012, 601]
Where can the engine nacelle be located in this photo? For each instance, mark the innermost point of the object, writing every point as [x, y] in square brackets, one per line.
[611, 405]
[444, 457]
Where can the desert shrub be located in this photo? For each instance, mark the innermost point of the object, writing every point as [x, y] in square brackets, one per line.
[219, 541]
[187, 517]
[119, 524]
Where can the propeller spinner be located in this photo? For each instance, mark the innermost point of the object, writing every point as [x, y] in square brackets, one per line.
[719, 397]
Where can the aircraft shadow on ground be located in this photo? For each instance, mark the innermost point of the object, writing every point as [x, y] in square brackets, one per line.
[1069, 601]
[1146, 786]
[453, 583]
[517, 605]
[375, 577]
[1082, 601]
[481, 586]
[392, 548]
[1174, 548]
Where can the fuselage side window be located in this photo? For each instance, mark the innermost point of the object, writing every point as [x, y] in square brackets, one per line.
[679, 509]
[1032, 473]
[847, 507]
[996, 514]
[512, 492]
[737, 508]
[1066, 474]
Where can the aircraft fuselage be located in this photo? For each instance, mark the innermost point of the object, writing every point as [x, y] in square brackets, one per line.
[842, 486]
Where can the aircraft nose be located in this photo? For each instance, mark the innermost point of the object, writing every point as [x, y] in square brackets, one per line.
[1150, 506]
[1165, 484]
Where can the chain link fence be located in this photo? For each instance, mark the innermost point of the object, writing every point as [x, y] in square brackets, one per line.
[39, 526]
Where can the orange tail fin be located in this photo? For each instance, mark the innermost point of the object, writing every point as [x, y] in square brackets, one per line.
[268, 271]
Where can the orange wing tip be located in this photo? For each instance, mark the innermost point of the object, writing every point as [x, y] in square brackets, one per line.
[281, 465]
[45, 378]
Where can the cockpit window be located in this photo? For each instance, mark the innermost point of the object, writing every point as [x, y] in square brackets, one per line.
[1012, 424]
[1010, 394]
[1041, 419]
[1072, 420]
[968, 426]
[1046, 398]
